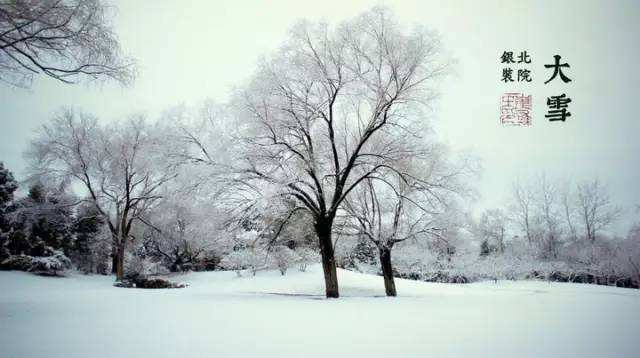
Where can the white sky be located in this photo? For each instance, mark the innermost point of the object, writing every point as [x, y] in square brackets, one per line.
[191, 50]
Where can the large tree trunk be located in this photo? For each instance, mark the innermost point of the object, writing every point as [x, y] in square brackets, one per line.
[120, 260]
[387, 271]
[323, 229]
[114, 257]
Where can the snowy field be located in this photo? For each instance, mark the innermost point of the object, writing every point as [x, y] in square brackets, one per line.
[221, 315]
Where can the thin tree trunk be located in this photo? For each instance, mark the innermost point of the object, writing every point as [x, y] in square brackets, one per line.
[387, 271]
[328, 259]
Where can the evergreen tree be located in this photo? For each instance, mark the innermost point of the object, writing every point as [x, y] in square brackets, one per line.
[45, 217]
[90, 251]
[485, 249]
[365, 253]
[8, 186]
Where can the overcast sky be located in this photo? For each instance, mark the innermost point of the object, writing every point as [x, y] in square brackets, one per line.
[191, 50]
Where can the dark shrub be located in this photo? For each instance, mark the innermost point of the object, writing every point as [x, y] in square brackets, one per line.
[149, 283]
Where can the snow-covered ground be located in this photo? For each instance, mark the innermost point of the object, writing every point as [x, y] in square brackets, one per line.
[221, 315]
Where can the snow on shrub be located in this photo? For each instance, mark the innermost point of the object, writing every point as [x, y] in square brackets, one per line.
[53, 265]
[284, 257]
[17, 262]
[50, 265]
[253, 259]
[306, 256]
[141, 267]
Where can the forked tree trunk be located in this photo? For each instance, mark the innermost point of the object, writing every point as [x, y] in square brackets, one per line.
[323, 230]
[387, 271]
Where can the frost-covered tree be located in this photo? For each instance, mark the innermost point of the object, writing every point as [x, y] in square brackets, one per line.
[522, 209]
[492, 229]
[247, 255]
[184, 232]
[62, 39]
[41, 232]
[630, 254]
[268, 240]
[569, 209]
[549, 216]
[91, 248]
[121, 167]
[595, 208]
[45, 217]
[331, 101]
[392, 210]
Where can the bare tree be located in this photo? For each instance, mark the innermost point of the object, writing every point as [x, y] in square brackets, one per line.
[388, 210]
[493, 228]
[62, 39]
[119, 166]
[631, 248]
[567, 199]
[386, 217]
[330, 110]
[595, 208]
[549, 216]
[182, 232]
[523, 209]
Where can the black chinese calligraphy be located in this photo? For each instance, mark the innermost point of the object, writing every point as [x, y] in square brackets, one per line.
[558, 108]
[557, 70]
[523, 74]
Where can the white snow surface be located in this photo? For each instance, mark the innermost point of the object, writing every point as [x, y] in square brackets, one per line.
[221, 315]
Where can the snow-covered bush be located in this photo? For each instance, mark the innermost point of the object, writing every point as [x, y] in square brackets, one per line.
[414, 262]
[252, 259]
[141, 267]
[357, 255]
[52, 265]
[283, 258]
[17, 262]
[307, 256]
[187, 235]
[148, 283]
[46, 219]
